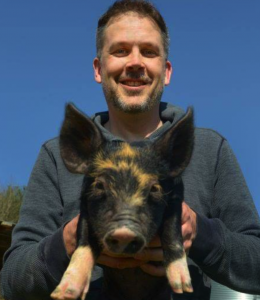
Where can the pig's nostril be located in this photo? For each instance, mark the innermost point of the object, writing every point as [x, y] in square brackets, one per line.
[135, 245]
[113, 242]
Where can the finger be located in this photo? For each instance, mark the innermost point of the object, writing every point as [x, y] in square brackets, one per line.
[187, 244]
[148, 254]
[70, 235]
[186, 231]
[185, 213]
[153, 270]
[118, 263]
[118, 255]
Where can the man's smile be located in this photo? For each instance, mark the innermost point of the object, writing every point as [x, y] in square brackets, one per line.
[134, 84]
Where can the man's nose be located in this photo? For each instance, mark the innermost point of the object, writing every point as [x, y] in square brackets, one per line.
[135, 61]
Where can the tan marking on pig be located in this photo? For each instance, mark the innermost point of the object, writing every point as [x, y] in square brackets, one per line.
[143, 180]
[113, 190]
[178, 276]
[75, 281]
[126, 151]
[101, 163]
[135, 200]
[123, 166]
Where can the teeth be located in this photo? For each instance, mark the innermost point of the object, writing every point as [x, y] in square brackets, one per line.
[133, 83]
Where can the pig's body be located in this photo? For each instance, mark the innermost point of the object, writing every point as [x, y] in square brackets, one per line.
[129, 284]
[130, 193]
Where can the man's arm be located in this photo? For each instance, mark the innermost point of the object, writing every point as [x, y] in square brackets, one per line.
[37, 256]
[227, 243]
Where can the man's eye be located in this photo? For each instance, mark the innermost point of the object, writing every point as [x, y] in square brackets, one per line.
[149, 53]
[120, 52]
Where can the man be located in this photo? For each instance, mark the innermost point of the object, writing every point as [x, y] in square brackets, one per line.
[220, 226]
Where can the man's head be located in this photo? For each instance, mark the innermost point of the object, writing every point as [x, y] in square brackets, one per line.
[131, 62]
[140, 7]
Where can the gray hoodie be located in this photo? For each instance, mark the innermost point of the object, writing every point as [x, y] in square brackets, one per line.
[226, 247]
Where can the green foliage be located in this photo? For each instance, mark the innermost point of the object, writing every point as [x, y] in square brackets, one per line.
[10, 203]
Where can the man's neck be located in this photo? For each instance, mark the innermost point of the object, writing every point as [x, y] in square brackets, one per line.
[133, 127]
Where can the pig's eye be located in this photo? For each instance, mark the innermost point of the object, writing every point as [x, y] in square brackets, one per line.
[99, 185]
[156, 192]
[155, 188]
[98, 188]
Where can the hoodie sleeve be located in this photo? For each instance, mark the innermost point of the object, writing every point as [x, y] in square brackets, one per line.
[227, 243]
[37, 257]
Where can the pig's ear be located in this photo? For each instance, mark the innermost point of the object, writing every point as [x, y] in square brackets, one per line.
[79, 140]
[176, 145]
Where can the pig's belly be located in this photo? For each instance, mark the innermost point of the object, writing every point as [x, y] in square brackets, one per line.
[134, 284]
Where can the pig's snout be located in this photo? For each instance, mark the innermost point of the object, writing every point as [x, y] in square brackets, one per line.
[124, 241]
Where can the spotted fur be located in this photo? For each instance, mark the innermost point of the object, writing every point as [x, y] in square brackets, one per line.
[125, 164]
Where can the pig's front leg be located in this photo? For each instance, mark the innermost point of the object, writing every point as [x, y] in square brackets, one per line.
[75, 281]
[178, 275]
[175, 258]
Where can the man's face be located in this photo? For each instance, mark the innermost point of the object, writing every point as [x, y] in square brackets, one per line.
[132, 69]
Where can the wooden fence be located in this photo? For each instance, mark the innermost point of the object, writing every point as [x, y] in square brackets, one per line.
[6, 229]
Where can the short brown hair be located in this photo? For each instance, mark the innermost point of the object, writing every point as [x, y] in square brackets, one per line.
[141, 7]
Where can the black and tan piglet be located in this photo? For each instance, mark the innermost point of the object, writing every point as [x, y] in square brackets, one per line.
[131, 192]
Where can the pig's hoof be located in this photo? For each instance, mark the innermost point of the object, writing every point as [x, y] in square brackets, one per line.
[68, 292]
[75, 281]
[178, 276]
[65, 293]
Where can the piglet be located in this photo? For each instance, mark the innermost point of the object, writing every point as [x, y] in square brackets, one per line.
[130, 193]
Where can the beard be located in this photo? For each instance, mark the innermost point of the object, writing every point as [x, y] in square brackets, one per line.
[113, 97]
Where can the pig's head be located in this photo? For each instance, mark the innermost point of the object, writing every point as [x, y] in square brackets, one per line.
[126, 186]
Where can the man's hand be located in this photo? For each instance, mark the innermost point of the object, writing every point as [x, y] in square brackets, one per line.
[153, 252]
[70, 235]
[188, 227]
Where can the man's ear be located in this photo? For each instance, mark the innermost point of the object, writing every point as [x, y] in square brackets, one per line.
[97, 70]
[176, 145]
[168, 72]
[79, 140]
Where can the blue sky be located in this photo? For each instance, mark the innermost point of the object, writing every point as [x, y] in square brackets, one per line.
[46, 53]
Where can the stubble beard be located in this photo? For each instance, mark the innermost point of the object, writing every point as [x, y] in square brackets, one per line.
[113, 98]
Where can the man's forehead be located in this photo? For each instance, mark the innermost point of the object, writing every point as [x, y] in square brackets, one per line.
[128, 15]
[123, 28]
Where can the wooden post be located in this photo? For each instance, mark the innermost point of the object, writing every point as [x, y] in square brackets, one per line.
[6, 229]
